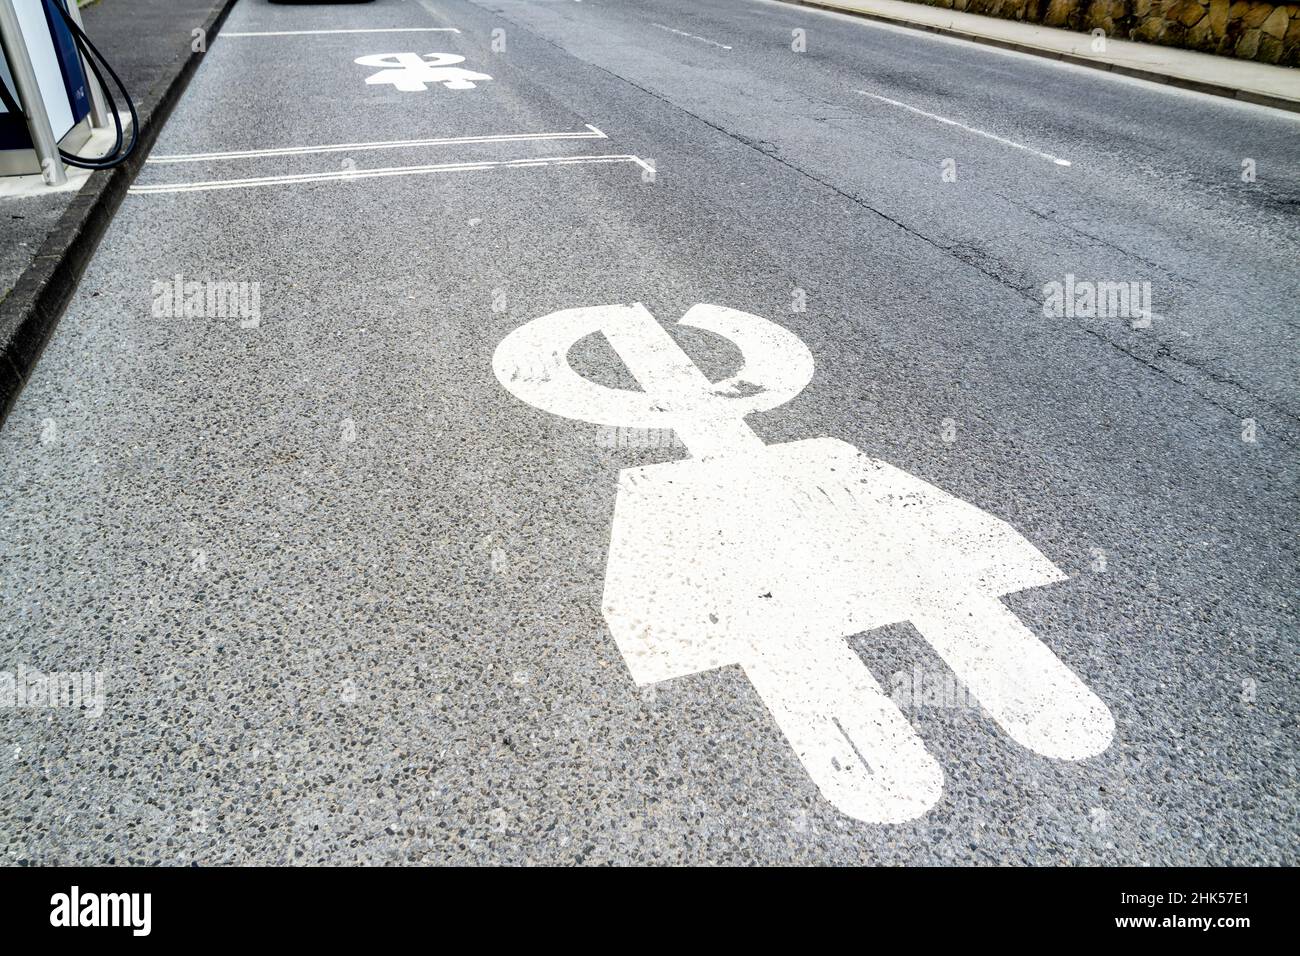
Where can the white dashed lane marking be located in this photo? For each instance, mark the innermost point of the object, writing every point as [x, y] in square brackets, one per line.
[683, 33]
[970, 129]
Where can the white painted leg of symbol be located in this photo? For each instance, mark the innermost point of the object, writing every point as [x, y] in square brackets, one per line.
[1026, 688]
[863, 754]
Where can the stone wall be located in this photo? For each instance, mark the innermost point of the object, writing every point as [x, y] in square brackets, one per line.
[1267, 32]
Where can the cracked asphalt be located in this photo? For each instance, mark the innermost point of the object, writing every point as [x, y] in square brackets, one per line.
[344, 590]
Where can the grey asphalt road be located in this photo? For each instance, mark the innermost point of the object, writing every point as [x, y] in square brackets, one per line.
[344, 590]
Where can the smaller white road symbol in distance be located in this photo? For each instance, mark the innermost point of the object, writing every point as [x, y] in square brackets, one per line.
[412, 73]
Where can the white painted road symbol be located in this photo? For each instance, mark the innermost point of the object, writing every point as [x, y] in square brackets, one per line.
[410, 72]
[770, 556]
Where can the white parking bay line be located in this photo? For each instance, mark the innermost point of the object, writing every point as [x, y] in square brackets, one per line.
[683, 33]
[970, 129]
[591, 133]
[351, 174]
[312, 33]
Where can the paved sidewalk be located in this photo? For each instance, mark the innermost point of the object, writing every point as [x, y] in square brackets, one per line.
[1277, 86]
[45, 238]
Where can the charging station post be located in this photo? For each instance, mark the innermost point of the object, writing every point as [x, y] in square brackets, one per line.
[59, 93]
[29, 95]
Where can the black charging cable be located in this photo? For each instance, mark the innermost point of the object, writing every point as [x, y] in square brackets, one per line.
[90, 53]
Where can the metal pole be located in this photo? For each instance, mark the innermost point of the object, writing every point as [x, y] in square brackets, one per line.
[98, 109]
[29, 96]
